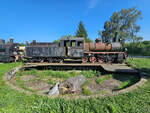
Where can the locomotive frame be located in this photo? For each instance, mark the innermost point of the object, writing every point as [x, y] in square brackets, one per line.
[75, 48]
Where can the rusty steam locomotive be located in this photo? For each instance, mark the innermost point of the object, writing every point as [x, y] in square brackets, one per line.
[75, 48]
[9, 52]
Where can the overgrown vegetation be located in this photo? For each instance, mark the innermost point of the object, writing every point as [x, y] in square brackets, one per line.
[91, 73]
[142, 64]
[60, 74]
[49, 76]
[141, 48]
[86, 91]
[131, 80]
[102, 79]
[12, 101]
[125, 83]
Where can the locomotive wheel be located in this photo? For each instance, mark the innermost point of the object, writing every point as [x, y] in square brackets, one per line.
[100, 60]
[92, 59]
[84, 59]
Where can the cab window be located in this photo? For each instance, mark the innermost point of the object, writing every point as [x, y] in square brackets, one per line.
[67, 43]
[80, 43]
[73, 43]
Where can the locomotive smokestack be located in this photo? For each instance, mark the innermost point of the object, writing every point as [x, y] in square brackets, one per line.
[11, 40]
[98, 40]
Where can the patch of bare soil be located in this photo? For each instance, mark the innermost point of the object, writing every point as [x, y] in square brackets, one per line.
[53, 79]
[38, 85]
[109, 85]
[27, 77]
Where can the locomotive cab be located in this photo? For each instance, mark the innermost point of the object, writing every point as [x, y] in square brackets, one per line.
[73, 47]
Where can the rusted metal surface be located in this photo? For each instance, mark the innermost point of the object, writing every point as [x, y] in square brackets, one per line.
[8, 51]
[75, 52]
[40, 51]
[97, 47]
[66, 48]
[100, 46]
[74, 48]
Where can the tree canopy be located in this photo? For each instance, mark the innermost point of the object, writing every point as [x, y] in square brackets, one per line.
[81, 31]
[63, 37]
[122, 25]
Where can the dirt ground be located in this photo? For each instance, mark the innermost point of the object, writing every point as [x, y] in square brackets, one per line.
[27, 77]
[42, 86]
[108, 85]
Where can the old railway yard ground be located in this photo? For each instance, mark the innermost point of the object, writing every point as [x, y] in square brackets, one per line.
[134, 99]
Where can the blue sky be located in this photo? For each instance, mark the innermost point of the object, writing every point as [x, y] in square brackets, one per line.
[48, 20]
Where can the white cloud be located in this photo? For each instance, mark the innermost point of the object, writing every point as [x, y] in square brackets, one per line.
[92, 3]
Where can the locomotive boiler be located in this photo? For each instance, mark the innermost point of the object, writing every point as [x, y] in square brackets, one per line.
[104, 52]
[77, 49]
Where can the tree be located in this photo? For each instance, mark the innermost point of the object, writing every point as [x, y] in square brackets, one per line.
[22, 44]
[122, 25]
[81, 32]
[63, 37]
[138, 41]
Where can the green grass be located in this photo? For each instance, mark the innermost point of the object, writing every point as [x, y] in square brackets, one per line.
[44, 73]
[22, 84]
[47, 75]
[86, 91]
[131, 80]
[59, 74]
[102, 79]
[12, 101]
[90, 73]
[140, 63]
[126, 83]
